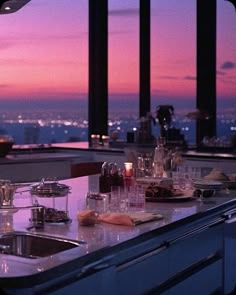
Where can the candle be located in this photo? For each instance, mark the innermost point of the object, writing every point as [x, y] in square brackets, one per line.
[95, 140]
[128, 169]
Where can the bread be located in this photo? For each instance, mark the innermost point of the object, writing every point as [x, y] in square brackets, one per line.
[87, 217]
[216, 174]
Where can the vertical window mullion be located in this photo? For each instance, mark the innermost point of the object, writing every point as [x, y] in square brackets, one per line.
[144, 57]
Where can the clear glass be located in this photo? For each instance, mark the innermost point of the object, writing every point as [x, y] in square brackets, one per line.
[99, 202]
[44, 72]
[136, 198]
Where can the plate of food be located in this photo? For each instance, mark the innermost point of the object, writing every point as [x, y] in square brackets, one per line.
[160, 193]
[216, 174]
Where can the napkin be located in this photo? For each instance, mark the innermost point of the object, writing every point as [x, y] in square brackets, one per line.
[129, 219]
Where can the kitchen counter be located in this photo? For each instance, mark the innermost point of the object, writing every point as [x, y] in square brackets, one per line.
[103, 241]
[32, 164]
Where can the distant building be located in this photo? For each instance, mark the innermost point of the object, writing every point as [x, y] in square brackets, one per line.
[31, 134]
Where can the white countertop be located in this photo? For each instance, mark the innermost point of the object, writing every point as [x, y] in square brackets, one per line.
[99, 237]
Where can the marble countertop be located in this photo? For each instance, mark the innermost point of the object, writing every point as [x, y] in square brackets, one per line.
[99, 239]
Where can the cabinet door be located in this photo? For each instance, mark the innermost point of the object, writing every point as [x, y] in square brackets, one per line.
[99, 283]
[196, 260]
[195, 246]
[143, 273]
[230, 254]
[205, 282]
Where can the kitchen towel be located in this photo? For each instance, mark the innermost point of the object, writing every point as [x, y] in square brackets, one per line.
[129, 219]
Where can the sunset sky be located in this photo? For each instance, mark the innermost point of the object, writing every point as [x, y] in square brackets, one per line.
[44, 49]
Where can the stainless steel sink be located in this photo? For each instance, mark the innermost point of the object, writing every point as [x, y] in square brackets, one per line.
[31, 245]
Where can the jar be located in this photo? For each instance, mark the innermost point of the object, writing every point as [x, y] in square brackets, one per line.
[53, 196]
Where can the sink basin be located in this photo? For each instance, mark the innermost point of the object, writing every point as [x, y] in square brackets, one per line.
[33, 245]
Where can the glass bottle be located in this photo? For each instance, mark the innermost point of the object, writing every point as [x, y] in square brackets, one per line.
[104, 179]
[158, 165]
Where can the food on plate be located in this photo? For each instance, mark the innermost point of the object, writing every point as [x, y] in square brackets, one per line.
[159, 191]
[216, 174]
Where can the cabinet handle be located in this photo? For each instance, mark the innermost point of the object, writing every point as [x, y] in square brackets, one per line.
[231, 220]
[186, 273]
[142, 258]
[229, 214]
[71, 278]
[95, 266]
[197, 230]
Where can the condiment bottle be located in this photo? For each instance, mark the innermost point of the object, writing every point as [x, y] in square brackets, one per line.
[104, 179]
[159, 159]
[114, 175]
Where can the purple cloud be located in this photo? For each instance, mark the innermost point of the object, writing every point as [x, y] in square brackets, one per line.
[189, 78]
[124, 12]
[228, 65]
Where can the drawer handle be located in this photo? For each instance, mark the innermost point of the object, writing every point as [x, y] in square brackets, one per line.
[142, 258]
[197, 230]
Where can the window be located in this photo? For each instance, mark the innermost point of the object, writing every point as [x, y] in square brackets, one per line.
[44, 72]
[226, 72]
[44, 68]
[173, 61]
[123, 66]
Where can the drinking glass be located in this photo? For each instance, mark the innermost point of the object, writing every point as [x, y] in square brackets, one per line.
[115, 195]
[136, 198]
[97, 201]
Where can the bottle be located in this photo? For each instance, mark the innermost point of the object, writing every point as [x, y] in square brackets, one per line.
[114, 174]
[104, 179]
[159, 159]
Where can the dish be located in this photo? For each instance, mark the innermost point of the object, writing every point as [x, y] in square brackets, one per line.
[153, 180]
[66, 221]
[208, 184]
[171, 199]
[61, 222]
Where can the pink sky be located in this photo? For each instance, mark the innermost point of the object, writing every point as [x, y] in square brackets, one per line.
[44, 49]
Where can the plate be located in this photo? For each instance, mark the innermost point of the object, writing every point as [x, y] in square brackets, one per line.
[208, 184]
[61, 222]
[171, 199]
[66, 221]
[154, 180]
